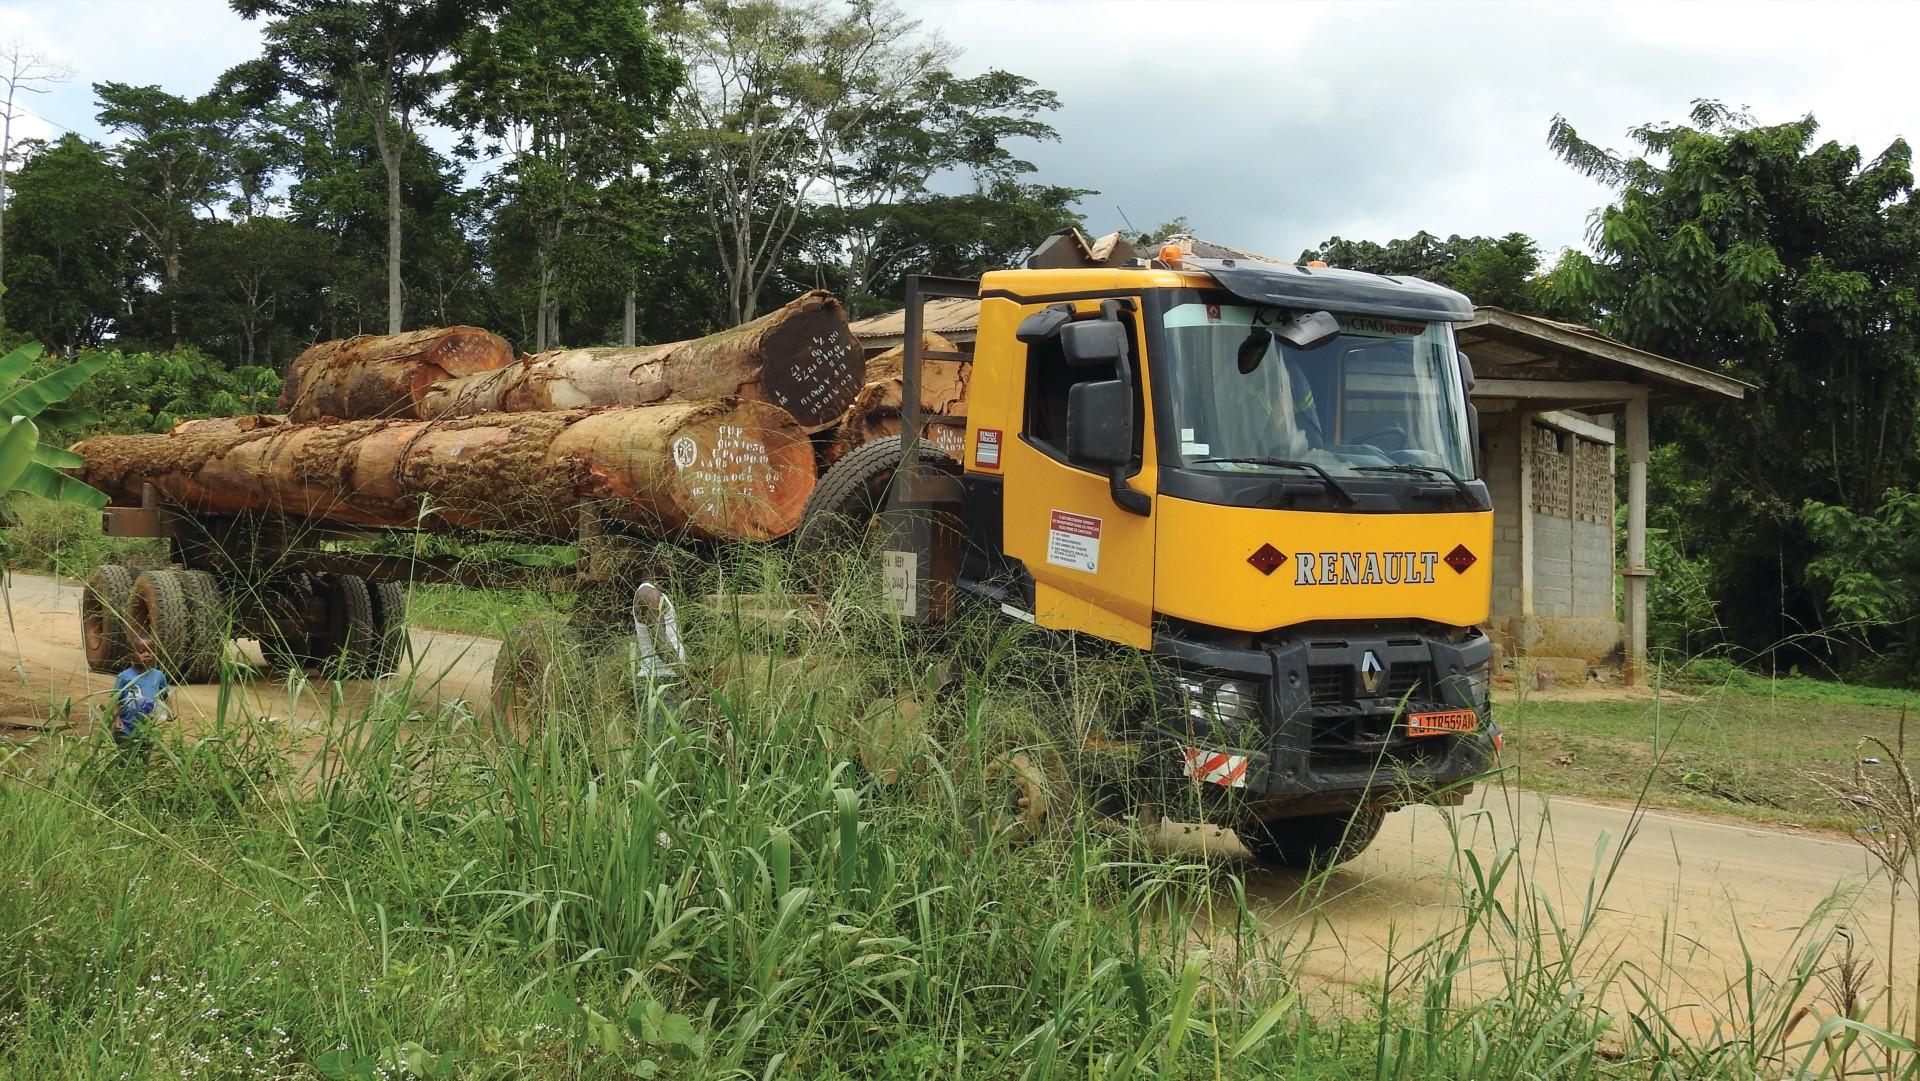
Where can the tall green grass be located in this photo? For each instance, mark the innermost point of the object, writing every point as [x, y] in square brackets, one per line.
[725, 881]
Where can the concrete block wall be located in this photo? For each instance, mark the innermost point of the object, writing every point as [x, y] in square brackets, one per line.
[1500, 434]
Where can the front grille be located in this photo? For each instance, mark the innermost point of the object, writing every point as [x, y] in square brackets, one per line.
[1404, 681]
[1328, 683]
[1339, 685]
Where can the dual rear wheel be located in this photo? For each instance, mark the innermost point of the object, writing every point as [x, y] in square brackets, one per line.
[341, 623]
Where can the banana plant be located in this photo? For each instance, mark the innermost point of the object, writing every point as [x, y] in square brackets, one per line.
[26, 464]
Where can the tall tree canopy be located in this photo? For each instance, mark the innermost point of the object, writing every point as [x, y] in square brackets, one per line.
[1790, 263]
[1499, 271]
[383, 57]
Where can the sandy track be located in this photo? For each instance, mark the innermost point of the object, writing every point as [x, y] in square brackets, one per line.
[1683, 897]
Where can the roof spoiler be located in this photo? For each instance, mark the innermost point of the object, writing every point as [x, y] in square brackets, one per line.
[1068, 250]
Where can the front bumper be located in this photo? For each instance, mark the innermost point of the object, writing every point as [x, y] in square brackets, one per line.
[1316, 718]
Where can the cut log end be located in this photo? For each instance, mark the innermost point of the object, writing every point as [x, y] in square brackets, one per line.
[813, 365]
[744, 473]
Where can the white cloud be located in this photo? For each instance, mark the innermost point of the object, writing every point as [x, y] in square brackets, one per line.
[1269, 125]
[1273, 126]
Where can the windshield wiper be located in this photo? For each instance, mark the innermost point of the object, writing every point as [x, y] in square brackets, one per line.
[1459, 483]
[1333, 484]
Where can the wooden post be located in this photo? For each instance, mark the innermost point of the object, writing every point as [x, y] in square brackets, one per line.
[1523, 422]
[1636, 573]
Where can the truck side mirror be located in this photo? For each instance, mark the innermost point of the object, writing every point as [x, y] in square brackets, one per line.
[1093, 342]
[1100, 424]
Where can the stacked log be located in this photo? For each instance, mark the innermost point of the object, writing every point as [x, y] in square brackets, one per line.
[875, 412]
[801, 357]
[385, 375]
[717, 470]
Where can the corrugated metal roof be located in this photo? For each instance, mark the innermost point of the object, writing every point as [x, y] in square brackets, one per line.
[946, 315]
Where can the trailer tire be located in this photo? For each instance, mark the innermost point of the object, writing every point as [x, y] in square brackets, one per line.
[390, 625]
[160, 613]
[853, 491]
[355, 638]
[1312, 841]
[209, 634]
[103, 617]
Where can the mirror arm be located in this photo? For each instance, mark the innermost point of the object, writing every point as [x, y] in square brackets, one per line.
[1124, 495]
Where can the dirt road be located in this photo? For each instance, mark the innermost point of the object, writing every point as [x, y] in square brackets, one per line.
[445, 668]
[1681, 901]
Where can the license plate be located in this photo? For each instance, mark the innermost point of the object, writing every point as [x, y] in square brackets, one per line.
[1444, 723]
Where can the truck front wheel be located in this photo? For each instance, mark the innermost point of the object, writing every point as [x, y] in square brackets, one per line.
[1317, 841]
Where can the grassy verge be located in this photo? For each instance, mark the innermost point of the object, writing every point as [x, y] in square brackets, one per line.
[774, 878]
[1745, 746]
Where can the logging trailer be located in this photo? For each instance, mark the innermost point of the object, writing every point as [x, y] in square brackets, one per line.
[1260, 478]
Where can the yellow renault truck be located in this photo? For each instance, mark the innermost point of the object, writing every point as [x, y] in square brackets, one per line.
[1262, 477]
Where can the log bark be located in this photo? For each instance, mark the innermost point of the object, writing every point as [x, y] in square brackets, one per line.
[372, 376]
[801, 357]
[717, 470]
[875, 412]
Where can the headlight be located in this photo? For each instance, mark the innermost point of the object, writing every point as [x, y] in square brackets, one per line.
[1217, 702]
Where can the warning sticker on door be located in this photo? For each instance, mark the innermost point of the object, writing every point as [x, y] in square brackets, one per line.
[1073, 541]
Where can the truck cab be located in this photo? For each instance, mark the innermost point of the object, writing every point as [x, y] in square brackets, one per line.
[1264, 476]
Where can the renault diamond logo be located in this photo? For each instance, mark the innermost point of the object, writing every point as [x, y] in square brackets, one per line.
[1370, 672]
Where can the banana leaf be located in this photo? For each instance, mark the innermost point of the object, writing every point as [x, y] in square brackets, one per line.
[15, 364]
[53, 387]
[39, 480]
[17, 443]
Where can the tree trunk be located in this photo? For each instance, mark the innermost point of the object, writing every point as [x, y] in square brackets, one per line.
[6, 152]
[630, 319]
[802, 358]
[875, 412]
[373, 376]
[391, 159]
[720, 470]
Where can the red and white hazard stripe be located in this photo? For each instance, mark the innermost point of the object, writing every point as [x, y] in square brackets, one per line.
[1216, 767]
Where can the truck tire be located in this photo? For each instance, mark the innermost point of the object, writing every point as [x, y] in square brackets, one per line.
[207, 605]
[159, 612]
[390, 625]
[354, 634]
[852, 493]
[1312, 841]
[539, 667]
[284, 633]
[103, 617]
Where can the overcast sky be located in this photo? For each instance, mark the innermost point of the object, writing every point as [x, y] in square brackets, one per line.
[1270, 126]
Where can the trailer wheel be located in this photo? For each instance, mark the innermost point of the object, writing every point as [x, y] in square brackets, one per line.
[353, 640]
[208, 610]
[537, 668]
[1312, 841]
[159, 612]
[852, 492]
[390, 625]
[103, 617]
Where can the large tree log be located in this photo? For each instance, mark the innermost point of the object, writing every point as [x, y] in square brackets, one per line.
[801, 357]
[720, 470]
[385, 375]
[875, 412]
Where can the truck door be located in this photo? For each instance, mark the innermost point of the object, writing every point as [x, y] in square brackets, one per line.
[1091, 561]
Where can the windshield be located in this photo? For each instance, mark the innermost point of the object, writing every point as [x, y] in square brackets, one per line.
[1383, 393]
